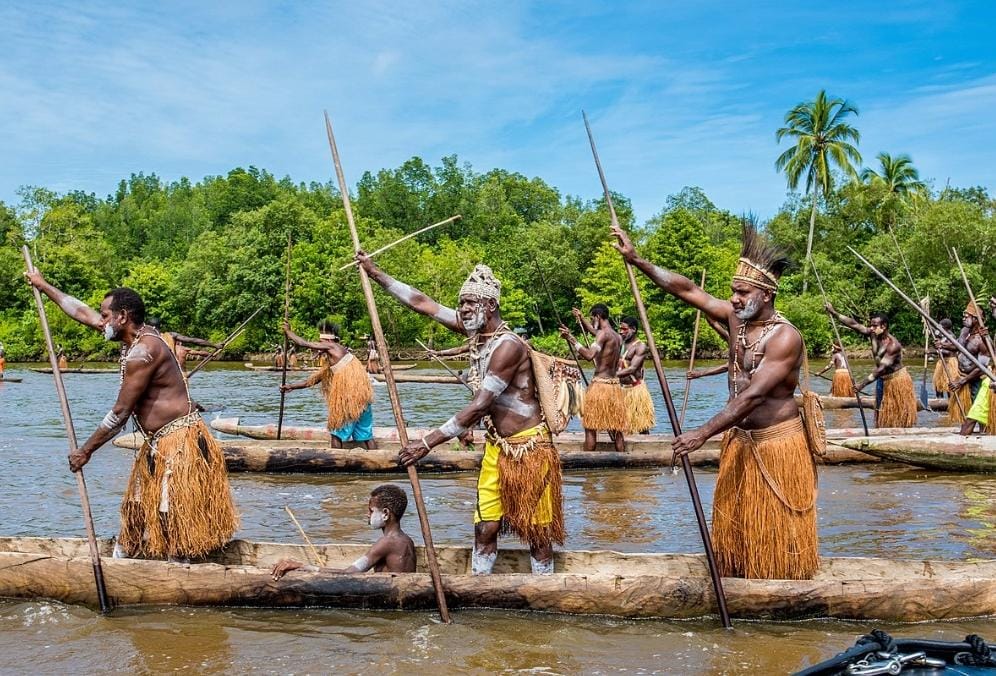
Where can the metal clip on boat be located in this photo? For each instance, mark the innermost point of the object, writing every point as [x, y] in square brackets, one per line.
[893, 664]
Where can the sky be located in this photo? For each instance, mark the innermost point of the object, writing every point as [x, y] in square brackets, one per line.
[678, 93]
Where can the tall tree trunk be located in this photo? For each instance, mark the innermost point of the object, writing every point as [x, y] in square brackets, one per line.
[809, 244]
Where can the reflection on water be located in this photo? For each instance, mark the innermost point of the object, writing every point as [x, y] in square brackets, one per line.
[864, 510]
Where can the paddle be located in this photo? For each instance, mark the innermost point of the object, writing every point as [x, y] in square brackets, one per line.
[232, 336]
[922, 395]
[402, 239]
[283, 368]
[691, 359]
[836, 334]
[67, 417]
[392, 386]
[671, 413]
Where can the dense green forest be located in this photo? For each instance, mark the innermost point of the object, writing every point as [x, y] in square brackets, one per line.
[205, 255]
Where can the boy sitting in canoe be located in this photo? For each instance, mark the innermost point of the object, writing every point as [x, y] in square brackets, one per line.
[394, 552]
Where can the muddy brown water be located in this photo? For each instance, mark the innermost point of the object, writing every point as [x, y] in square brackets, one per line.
[868, 510]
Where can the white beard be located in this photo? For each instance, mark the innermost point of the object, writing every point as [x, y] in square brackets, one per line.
[751, 308]
[476, 323]
[110, 333]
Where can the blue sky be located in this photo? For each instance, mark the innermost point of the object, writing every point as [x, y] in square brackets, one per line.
[687, 93]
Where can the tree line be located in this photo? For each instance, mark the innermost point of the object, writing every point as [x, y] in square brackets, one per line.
[205, 255]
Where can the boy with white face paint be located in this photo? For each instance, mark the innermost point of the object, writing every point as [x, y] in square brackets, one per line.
[394, 552]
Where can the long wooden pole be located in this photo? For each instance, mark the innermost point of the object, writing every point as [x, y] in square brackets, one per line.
[67, 417]
[404, 239]
[926, 332]
[930, 320]
[392, 387]
[444, 365]
[691, 359]
[319, 559]
[836, 334]
[717, 582]
[232, 336]
[556, 315]
[283, 368]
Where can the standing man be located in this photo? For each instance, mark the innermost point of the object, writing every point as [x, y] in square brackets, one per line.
[345, 387]
[604, 402]
[519, 487]
[3, 361]
[965, 386]
[178, 504]
[373, 359]
[946, 368]
[764, 507]
[895, 396]
[841, 385]
[639, 404]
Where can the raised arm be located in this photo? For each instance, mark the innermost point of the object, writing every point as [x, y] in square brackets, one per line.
[675, 284]
[711, 371]
[73, 307]
[583, 321]
[850, 323]
[410, 297]
[501, 371]
[188, 340]
[307, 344]
[589, 353]
[138, 372]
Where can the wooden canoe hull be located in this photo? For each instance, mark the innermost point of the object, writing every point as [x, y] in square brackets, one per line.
[666, 586]
[91, 372]
[261, 367]
[10, 380]
[948, 452]
[835, 403]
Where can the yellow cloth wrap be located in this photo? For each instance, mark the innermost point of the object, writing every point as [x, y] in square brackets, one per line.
[984, 407]
[639, 408]
[764, 506]
[898, 407]
[941, 379]
[186, 474]
[524, 494]
[841, 385]
[964, 396]
[346, 388]
[605, 406]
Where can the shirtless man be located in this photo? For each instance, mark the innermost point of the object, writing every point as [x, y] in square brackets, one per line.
[394, 551]
[604, 402]
[841, 385]
[946, 368]
[639, 404]
[895, 396]
[965, 384]
[186, 519]
[757, 532]
[519, 487]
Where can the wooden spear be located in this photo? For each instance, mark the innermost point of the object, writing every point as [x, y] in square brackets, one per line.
[691, 359]
[403, 239]
[67, 417]
[444, 365]
[232, 336]
[836, 333]
[283, 369]
[392, 387]
[717, 583]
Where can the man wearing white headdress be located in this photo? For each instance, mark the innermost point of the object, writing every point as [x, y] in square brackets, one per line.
[519, 487]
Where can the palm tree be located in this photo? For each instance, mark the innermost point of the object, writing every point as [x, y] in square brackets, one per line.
[898, 176]
[822, 139]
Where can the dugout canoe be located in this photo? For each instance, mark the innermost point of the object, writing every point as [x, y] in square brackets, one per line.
[665, 586]
[255, 367]
[79, 370]
[949, 452]
[10, 380]
[834, 403]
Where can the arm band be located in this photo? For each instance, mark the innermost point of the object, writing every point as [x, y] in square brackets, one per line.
[111, 421]
[362, 564]
[451, 428]
[493, 384]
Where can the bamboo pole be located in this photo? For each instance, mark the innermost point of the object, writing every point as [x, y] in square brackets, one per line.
[392, 387]
[403, 239]
[319, 559]
[283, 370]
[67, 417]
[691, 359]
[668, 401]
[836, 334]
[232, 336]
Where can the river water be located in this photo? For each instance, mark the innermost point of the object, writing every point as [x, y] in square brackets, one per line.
[867, 510]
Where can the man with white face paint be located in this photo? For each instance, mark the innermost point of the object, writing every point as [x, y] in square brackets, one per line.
[519, 487]
[178, 504]
[895, 394]
[764, 506]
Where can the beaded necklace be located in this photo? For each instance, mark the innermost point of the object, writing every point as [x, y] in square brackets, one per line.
[480, 356]
[768, 326]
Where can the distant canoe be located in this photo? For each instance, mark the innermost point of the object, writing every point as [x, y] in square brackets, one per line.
[833, 403]
[80, 370]
[7, 379]
[950, 452]
[640, 585]
[255, 367]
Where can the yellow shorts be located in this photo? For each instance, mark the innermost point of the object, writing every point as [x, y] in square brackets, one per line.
[489, 507]
[980, 407]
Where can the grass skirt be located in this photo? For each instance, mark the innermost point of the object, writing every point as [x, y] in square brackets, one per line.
[538, 522]
[640, 408]
[898, 407]
[941, 380]
[842, 385]
[605, 406]
[346, 389]
[764, 508]
[178, 503]
[964, 396]
[984, 407]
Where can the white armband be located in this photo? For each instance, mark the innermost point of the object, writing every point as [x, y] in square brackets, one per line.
[362, 564]
[111, 421]
[451, 428]
[493, 384]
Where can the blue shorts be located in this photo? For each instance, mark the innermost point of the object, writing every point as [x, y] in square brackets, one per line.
[361, 429]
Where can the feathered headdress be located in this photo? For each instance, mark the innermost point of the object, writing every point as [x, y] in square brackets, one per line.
[761, 263]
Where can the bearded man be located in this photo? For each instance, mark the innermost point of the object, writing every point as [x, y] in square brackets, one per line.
[764, 506]
[178, 504]
[519, 487]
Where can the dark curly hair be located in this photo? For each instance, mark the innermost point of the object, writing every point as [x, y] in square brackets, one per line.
[125, 299]
[392, 498]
